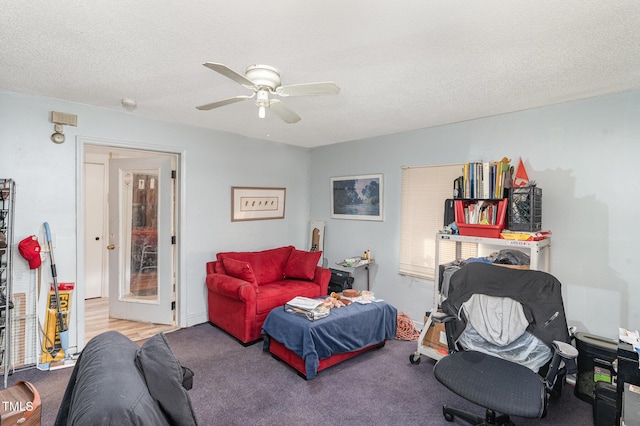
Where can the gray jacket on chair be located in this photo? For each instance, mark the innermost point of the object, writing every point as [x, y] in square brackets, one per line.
[539, 293]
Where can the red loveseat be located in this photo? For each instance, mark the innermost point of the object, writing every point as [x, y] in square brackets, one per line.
[243, 287]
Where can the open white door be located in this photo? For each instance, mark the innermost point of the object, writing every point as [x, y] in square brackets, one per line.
[141, 253]
[94, 231]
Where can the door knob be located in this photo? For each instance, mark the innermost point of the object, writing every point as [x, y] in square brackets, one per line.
[111, 246]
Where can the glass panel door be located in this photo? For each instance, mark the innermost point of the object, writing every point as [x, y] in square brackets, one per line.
[142, 220]
[141, 255]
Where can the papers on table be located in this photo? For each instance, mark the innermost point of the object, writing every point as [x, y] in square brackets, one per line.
[311, 309]
[304, 303]
[354, 262]
[630, 337]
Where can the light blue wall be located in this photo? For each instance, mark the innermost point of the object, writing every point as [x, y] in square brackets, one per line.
[45, 175]
[584, 155]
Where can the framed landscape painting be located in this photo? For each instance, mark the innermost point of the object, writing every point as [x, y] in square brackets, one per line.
[357, 197]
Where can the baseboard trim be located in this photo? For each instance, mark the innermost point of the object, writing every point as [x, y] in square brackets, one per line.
[196, 319]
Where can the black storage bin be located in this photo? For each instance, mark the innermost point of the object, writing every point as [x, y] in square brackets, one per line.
[449, 212]
[604, 407]
[340, 280]
[525, 209]
[595, 354]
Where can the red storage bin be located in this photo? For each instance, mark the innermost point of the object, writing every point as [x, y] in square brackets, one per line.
[480, 230]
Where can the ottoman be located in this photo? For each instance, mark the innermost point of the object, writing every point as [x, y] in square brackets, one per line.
[311, 346]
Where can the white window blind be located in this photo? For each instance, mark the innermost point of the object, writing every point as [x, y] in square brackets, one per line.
[424, 191]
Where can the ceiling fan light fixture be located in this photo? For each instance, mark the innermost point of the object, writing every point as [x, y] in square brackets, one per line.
[262, 100]
[265, 83]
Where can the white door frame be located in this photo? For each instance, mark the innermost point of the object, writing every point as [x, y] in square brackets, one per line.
[181, 288]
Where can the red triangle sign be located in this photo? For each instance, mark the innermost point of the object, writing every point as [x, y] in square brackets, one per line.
[521, 178]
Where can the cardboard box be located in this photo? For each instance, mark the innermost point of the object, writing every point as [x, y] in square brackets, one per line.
[51, 339]
[20, 404]
[521, 267]
[436, 337]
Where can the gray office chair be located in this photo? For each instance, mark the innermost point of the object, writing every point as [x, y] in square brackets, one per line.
[488, 375]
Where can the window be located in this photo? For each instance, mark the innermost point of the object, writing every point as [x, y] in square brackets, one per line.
[424, 191]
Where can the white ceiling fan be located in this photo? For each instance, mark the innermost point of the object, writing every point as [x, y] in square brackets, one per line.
[265, 83]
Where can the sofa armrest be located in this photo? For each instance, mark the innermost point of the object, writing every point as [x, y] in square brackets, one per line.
[211, 267]
[107, 363]
[231, 287]
[322, 277]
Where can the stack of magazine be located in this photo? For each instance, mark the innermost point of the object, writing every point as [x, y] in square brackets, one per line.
[311, 309]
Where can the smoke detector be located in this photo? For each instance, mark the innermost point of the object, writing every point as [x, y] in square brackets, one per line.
[129, 104]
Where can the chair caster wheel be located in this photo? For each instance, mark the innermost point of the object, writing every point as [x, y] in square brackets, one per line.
[414, 358]
[448, 417]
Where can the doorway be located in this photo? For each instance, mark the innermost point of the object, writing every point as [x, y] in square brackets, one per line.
[130, 206]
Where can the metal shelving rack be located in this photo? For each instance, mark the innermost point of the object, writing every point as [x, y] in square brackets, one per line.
[7, 195]
[539, 252]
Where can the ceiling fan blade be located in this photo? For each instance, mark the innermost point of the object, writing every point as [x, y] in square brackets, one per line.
[322, 88]
[284, 112]
[223, 102]
[229, 73]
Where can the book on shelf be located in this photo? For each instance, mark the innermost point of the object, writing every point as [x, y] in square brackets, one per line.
[525, 235]
[485, 179]
[480, 212]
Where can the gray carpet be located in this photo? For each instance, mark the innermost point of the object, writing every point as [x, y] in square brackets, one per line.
[236, 385]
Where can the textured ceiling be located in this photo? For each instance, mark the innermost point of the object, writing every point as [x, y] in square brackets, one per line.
[400, 65]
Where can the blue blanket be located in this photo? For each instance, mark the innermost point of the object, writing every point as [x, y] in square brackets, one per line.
[346, 329]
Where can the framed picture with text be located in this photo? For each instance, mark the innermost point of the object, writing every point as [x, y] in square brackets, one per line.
[254, 203]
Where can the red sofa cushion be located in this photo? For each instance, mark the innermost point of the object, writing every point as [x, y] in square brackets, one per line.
[239, 269]
[302, 264]
[280, 292]
[267, 265]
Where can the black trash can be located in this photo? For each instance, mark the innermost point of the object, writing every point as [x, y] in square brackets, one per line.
[595, 363]
[340, 281]
[604, 406]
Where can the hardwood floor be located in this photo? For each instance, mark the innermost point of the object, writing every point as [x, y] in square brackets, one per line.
[97, 321]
